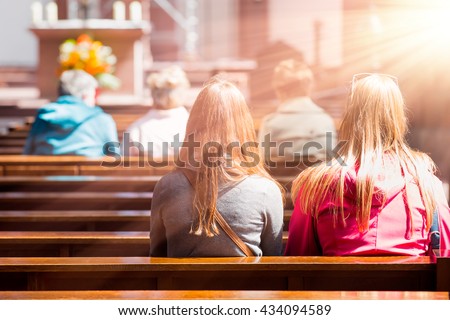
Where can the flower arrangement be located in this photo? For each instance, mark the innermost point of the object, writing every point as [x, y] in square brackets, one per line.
[91, 56]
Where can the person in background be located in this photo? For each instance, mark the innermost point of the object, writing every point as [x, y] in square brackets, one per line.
[378, 196]
[72, 125]
[225, 175]
[157, 130]
[298, 122]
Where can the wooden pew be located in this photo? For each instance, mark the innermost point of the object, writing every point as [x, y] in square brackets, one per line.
[13, 134]
[10, 150]
[36, 209]
[403, 273]
[21, 165]
[31, 203]
[83, 220]
[77, 193]
[73, 220]
[136, 176]
[11, 141]
[442, 269]
[222, 295]
[78, 183]
[81, 201]
[125, 115]
[40, 165]
[63, 216]
[18, 133]
[70, 244]
[76, 200]
[99, 177]
[77, 243]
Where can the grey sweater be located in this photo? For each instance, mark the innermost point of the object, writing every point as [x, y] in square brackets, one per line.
[252, 207]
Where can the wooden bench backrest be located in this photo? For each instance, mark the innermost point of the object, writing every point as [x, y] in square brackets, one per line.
[78, 183]
[75, 220]
[83, 220]
[254, 273]
[76, 200]
[74, 243]
[58, 203]
[20, 165]
[77, 243]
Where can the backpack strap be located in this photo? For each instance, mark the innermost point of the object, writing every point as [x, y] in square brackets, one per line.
[435, 235]
[190, 175]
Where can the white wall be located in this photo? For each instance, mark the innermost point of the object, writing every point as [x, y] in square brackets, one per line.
[292, 21]
[18, 46]
[218, 29]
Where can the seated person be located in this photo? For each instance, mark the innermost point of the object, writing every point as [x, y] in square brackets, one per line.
[156, 130]
[298, 122]
[378, 196]
[72, 125]
[217, 177]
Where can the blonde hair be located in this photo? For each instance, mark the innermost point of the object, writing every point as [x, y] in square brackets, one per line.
[373, 127]
[221, 116]
[292, 78]
[168, 87]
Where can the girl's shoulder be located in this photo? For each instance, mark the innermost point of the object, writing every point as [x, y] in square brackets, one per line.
[256, 183]
[173, 180]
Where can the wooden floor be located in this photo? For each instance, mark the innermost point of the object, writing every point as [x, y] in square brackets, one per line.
[222, 295]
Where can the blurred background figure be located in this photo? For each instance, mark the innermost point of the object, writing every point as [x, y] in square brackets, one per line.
[298, 122]
[72, 124]
[167, 118]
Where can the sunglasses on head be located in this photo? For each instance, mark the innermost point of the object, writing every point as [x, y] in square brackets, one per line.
[359, 76]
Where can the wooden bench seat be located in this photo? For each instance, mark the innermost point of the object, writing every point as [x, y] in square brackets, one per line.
[76, 200]
[122, 121]
[77, 193]
[6, 141]
[78, 183]
[10, 150]
[83, 220]
[78, 243]
[69, 193]
[21, 165]
[222, 295]
[238, 273]
[74, 220]
[12, 134]
[14, 141]
[80, 201]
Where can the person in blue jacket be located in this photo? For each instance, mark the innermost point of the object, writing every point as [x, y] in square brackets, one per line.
[72, 125]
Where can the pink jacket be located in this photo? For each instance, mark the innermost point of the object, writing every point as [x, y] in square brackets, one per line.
[388, 226]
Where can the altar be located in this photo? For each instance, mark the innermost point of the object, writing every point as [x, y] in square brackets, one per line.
[123, 36]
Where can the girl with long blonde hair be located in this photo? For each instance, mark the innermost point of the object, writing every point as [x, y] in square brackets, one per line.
[225, 175]
[378, 196]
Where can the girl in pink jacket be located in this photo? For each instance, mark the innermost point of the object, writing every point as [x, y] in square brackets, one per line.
[377, 196]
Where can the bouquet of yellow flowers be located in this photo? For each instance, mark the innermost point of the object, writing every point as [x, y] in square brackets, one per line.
[91, 56]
